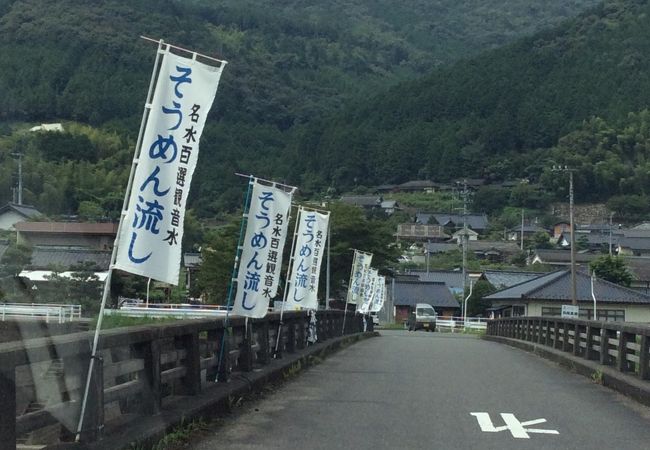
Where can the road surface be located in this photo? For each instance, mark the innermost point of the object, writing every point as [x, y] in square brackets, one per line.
[412, 390]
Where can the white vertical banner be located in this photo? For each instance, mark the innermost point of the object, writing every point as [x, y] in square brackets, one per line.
[369, 292]
[261, 257]
[358, 280]
[380, 295]
[152, 230]
[307, 258]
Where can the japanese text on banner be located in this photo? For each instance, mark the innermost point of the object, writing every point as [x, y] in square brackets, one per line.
[152, 229]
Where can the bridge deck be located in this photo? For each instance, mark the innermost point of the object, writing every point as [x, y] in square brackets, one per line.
[419, 390]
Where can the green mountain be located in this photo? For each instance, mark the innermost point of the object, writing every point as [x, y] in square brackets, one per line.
[291, 63]
[500, 114]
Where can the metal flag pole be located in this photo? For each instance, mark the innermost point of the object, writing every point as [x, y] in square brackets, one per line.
[327, 267]
[287, 281]
[347, 298]
[235, 269]
[107, 283]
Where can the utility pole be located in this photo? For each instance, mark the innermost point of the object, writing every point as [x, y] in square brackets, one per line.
[611, 216]
[464, 237]
[521, 240]
[574, 298]
[20, 176]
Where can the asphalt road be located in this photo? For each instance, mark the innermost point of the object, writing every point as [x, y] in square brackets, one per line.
[418, 390]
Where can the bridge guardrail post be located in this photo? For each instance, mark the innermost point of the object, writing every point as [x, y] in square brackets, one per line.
[291, 335]
[589, 343]
[246, 349]
[151, 395]
[190, 343]
[622, 364]
[302, 332]
[264, 354]
[605, 334]
[8, 402]
[94, 417]
[644, 347]
[565, 337]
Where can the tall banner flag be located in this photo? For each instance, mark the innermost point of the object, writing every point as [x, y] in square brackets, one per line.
[358, 279]
[261, 257]
[369, 292]
[307, 257]
[380, 295]
[152, 229]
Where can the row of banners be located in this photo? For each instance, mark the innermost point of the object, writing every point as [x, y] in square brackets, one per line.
[151, 231]
[367, 289]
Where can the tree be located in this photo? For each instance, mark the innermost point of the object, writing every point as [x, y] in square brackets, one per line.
[476, 305]
[612, 268]
[218, 253]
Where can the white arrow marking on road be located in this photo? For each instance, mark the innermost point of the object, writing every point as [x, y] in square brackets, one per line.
[517, 429]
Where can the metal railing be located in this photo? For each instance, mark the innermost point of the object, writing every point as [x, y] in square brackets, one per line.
[55, 312]
[139, 367]
[460, 323]
[623, 346]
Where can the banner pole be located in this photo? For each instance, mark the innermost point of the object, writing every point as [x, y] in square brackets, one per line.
[235, 268]
[347, 297]
[107, 283]
[287, 282]
[327, 267]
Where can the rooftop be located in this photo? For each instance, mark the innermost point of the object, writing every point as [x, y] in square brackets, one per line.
[66, 257]
[409, 293]
[26, 211]
[67, 228]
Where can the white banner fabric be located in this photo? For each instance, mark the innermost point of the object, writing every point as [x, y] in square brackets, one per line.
[358, 280]
[152, 227]
[380, 295]
[261, 258]
[369, 291]
[307, 258]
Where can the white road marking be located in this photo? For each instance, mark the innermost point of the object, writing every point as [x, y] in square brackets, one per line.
[517, 429]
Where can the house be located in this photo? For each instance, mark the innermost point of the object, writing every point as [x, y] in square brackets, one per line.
[514, 234]
[12, 213]
[453, 279]
[406, 294]
[545, 295]
[640, 269]
[560, 228]
[501, 279]
[494, 251]
[634, 242]
[476, 222]
[363, 201]
[417, 186]
[458, 235]
[561, 258]
[593, 241]
[385, 188]
[439, 247]
[98, 236]
[389, 206]
[47, 260]
[414, 232]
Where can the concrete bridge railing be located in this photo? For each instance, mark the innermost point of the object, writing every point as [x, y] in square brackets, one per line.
[138, 369]
[621, 346]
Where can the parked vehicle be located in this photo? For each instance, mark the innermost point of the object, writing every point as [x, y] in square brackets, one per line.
[423, 317]
[375, 318]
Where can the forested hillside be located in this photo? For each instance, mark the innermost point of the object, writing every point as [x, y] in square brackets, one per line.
[501, 115]
[291, 63]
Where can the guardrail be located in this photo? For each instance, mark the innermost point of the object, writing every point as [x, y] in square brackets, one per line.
[460, 323]
[137, 368]
[623, 346]
[47, 311]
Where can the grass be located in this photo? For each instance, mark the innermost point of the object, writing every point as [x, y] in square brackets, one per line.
[180, 435]
[117, 321]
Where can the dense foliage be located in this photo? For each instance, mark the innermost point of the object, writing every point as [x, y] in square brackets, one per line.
[290, 64]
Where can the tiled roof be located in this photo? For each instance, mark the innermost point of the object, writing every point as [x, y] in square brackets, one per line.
[635, 243]
[563, 256]
[556, 286]
[439, 247]
[67, 227]
[409, 293]
[474, 221]
[416, 230]
[529, 229]
[66, 257]
[452, 278]
[500, 246]
[27, 211]
[639, 266]
[417, 184]
[503, 278]
[362, 200]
